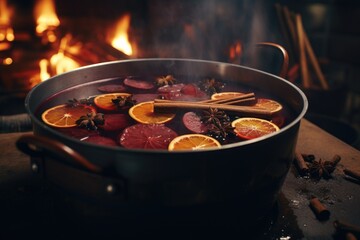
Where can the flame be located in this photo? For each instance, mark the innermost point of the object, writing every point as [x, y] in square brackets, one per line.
[46, 18]
[235, 50]
[59, 61]
[6, 31]
[44, 74]
[121, 39]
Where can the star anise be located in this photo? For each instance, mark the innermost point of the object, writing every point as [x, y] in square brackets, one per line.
[75, 102]
[165, 80]
[211, 86]
[221, 131]
[214, 116]
[123, 101]
[91, 120]
[322, 169]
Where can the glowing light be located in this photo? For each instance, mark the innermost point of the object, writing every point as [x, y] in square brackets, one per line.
[235, 50]
[46, 18]
[59, 61]
[44, 74]
[6, 31]
[120, 40]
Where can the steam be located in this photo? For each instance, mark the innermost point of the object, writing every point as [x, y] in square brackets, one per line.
[206, 29]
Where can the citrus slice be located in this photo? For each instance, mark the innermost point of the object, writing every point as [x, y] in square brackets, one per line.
[250, 128]
[147, 136]
[222, 95]
[104, 101]
[269, 104]
[193, 142]
[64, 116]
[144, 113]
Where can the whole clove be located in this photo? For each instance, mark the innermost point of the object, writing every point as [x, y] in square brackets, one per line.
[321, 212]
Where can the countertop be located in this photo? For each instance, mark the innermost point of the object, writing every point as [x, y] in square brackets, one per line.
[22, 201]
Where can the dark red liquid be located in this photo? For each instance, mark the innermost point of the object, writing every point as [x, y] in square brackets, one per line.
[184, 89]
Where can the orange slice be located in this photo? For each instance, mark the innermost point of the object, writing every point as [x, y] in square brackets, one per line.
[222, 95]
[193, 142]
[144, 113]
[104, 101]
[269, 104]
[250, 128]
[64, 116]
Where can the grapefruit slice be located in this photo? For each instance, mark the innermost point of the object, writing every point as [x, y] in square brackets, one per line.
[147, 136]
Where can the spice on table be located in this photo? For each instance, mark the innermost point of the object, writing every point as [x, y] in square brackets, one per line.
[301, 164]
[323, 169]
[345, 227]
[353, 174]
[321, 212]
[350, 236]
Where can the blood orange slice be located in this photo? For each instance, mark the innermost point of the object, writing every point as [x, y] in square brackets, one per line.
[64, 116]
[104, 101]
[115, 122]
[138, 84]
[250, 128]
[144, 113]
[193, 123]
[147, 136]
[193, 142]
[100, 140]
[269, 104]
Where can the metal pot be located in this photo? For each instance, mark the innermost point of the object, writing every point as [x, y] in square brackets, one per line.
[240, 179]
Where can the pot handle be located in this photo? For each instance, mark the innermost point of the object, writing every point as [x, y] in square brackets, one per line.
[34, 146]
[284, 53]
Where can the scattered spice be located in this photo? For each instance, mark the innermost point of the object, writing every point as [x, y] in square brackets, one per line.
[301, 164]
[345, 227]
[91, 121]
[316, 169]
[321, 169]
[165, 80]
[218, 123]
[353, 174]
[123, 101]
[75, 102]
[211, 86]
[321, 212]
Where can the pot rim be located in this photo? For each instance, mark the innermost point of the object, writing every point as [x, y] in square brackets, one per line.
[165, 151]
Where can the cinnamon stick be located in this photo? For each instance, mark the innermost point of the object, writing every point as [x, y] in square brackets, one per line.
[321, 212]
[315, 63]
[346, 227]
[302, 58]
[165, 106]
[301, 164]
[352, 173]
[231, 100]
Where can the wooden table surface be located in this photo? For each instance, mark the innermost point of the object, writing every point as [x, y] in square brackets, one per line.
[341, 196]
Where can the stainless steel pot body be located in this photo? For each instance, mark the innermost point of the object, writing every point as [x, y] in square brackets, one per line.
[248, 175]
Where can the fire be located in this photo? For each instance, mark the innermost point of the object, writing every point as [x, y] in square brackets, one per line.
[46, 19]
[60, 62]
[235, 51]
[6, 31]
[120, 40]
